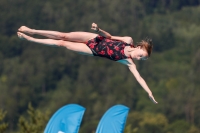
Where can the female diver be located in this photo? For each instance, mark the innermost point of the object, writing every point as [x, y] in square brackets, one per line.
[120, 49]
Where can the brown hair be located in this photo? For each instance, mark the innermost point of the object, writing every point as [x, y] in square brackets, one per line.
[146, 44]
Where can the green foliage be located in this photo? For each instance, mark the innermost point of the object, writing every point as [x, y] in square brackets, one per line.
[89, 126]
[35, 122]
[44, 75]
[179, 126]
[162, 6]
[194, 129]
[161, 30]
[146, 122]
[154, 123]
[130, 129]
[3, 125]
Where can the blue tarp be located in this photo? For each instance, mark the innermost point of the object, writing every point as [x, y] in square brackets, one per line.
[66, 120]
[114, 120]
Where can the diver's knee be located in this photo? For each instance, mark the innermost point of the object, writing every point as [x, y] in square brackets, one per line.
[61, 43]
[61, 35]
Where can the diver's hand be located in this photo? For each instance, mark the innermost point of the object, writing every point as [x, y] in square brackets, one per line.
[95, 27]
[152, 98]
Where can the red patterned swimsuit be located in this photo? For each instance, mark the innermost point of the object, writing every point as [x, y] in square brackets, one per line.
[111, 49]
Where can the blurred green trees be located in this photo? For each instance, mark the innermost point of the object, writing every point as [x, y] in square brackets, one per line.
[3, 125]
[50, 77]
[35, 122]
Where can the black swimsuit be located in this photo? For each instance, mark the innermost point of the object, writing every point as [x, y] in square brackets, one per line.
[111, 49]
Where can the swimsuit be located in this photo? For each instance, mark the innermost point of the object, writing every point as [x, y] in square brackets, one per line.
[111, 49]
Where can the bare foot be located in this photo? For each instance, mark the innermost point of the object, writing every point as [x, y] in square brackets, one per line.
[22, 36]
[26, 30]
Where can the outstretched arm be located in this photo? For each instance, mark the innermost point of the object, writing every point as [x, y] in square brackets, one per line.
[132, 68]
[100, 31]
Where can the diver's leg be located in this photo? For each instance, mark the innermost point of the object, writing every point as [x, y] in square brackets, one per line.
[71, 36]
[74, 46]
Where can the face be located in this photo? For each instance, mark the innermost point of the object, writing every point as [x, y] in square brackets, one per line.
[139, 54]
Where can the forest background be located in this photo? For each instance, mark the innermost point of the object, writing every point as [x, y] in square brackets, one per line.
[47, 78]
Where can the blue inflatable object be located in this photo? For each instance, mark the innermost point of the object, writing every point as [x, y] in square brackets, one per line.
[114, 120]
[66, 120]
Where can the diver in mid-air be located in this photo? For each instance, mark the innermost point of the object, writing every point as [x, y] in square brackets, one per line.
[116, 48]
